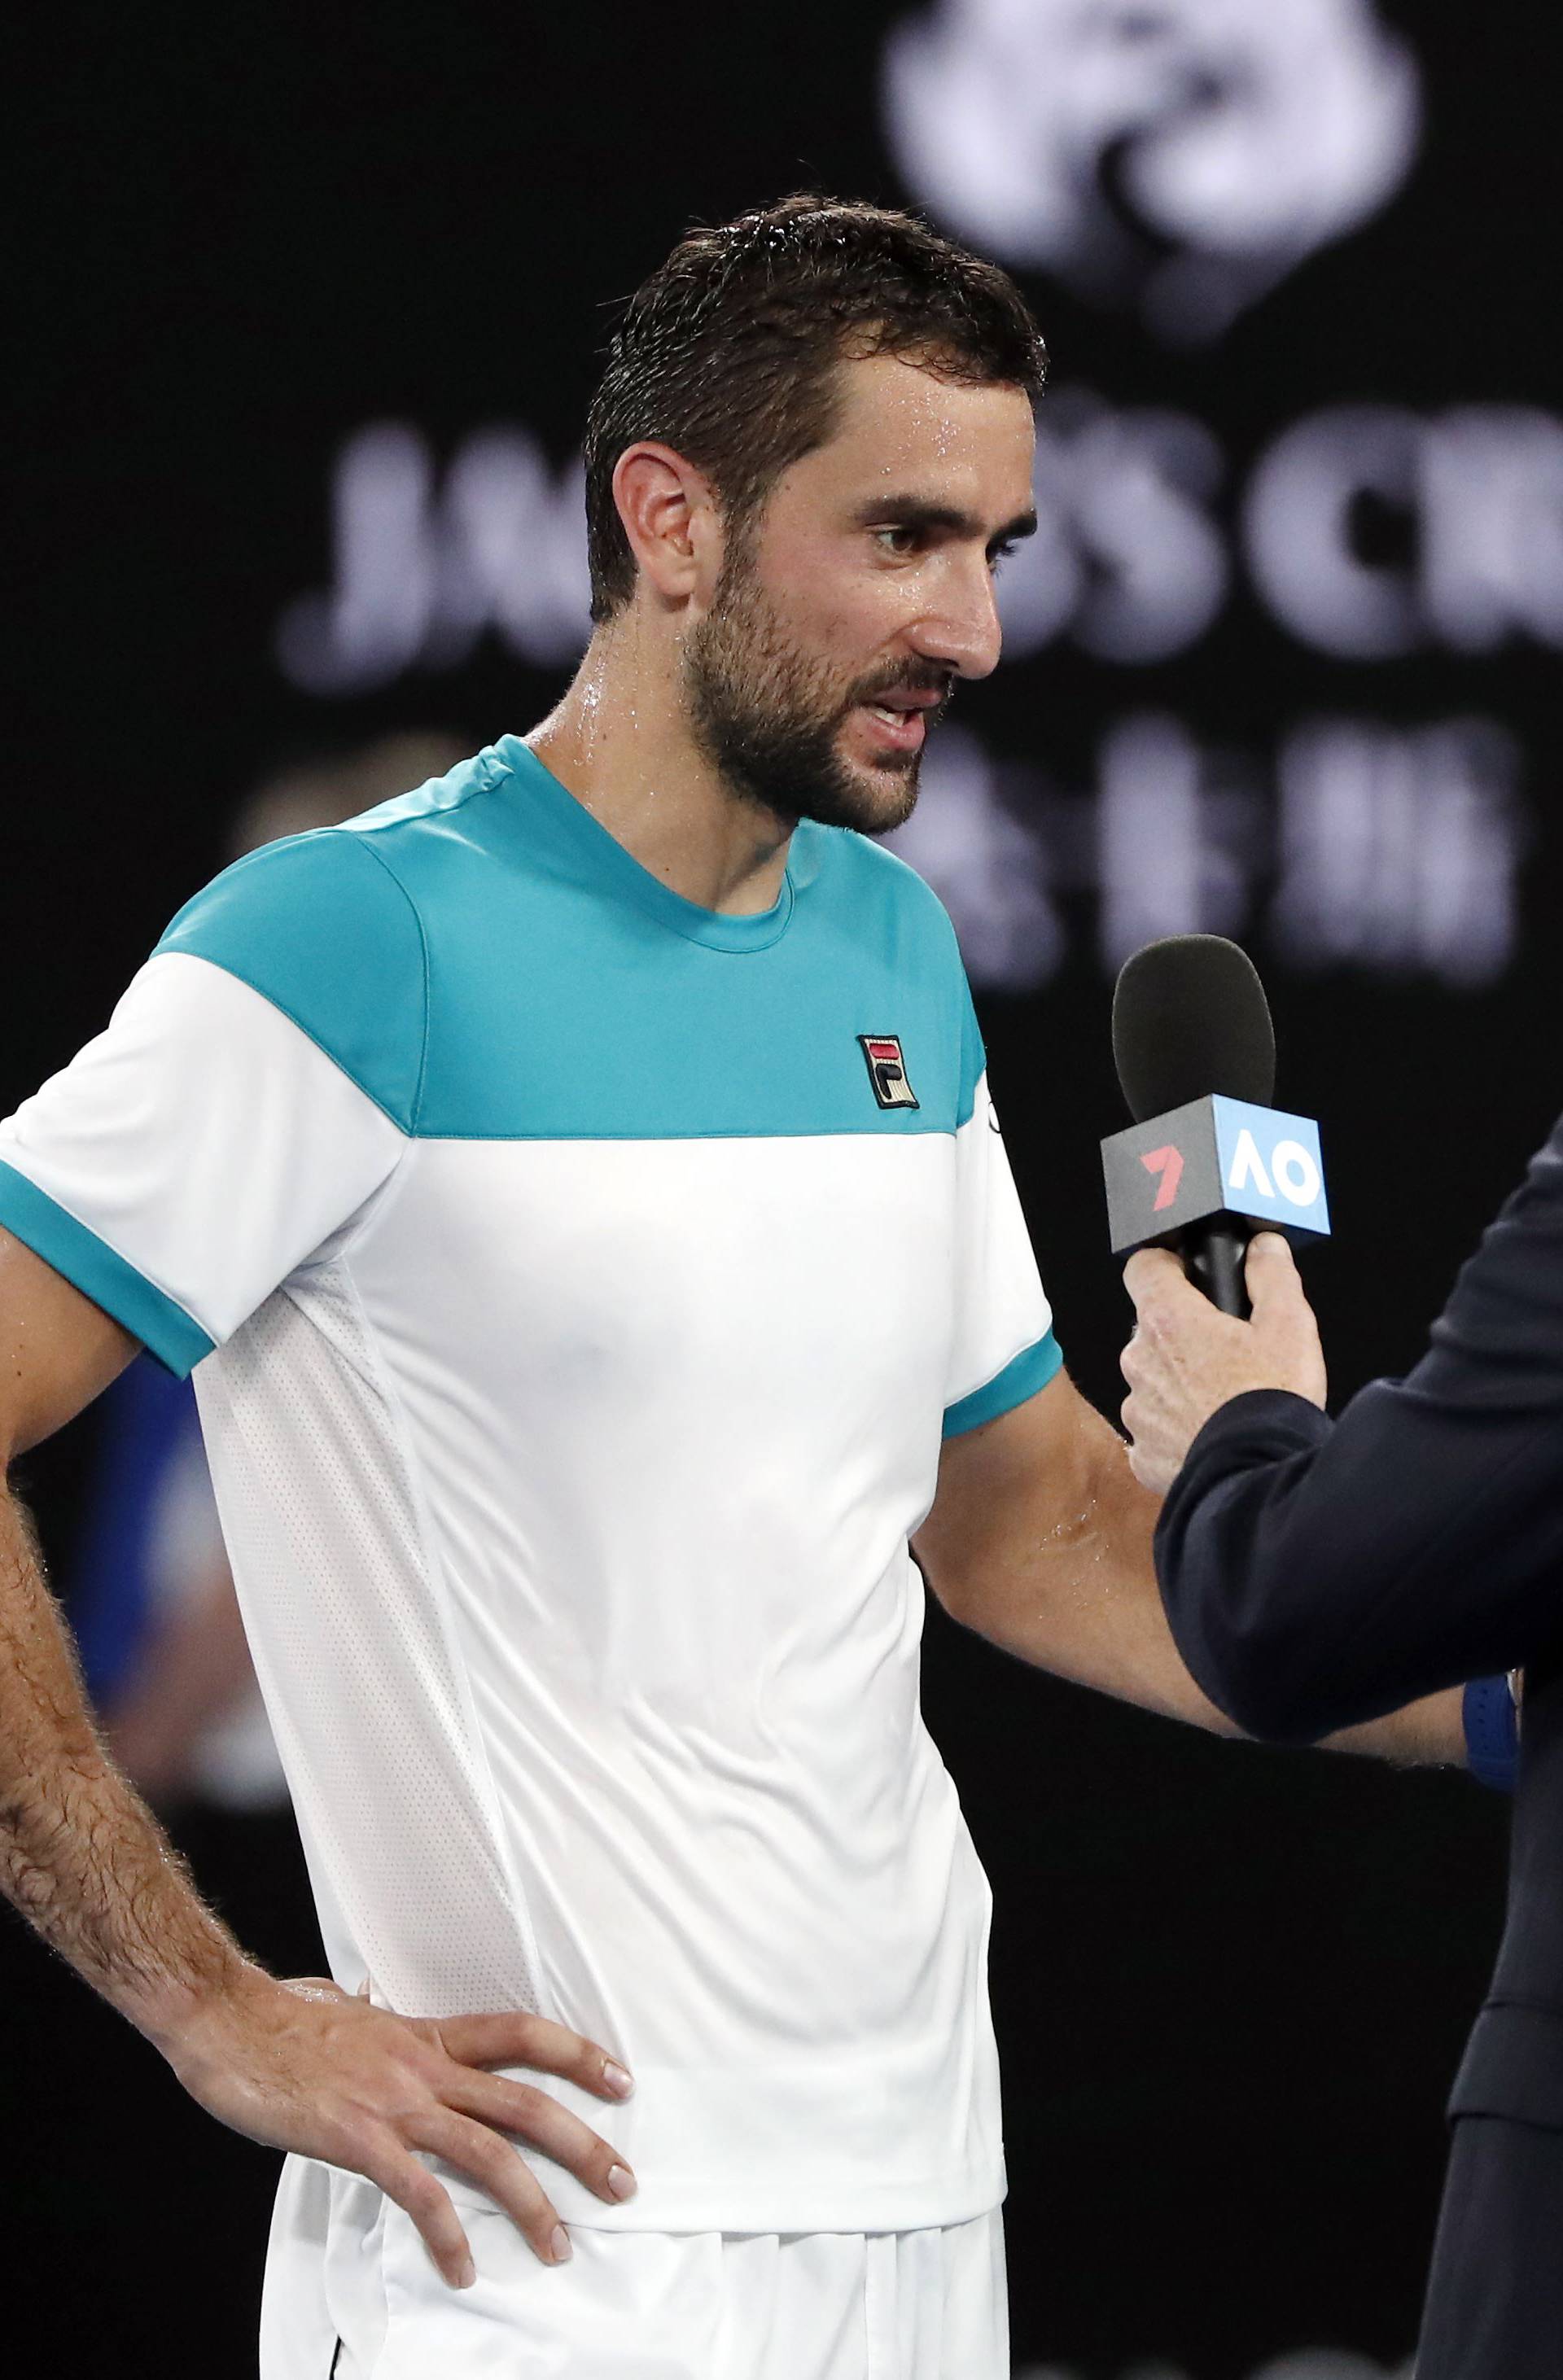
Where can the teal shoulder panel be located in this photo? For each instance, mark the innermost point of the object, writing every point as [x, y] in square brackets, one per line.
[100, 1273]
[487, 961]
[323, 929]
[1020, 1379]
[572, 995]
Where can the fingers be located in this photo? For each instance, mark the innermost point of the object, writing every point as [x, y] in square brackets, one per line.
[1162, 1295]
[1270, 1270]
[1156, 1282]
[427, 2202]
[1282, 1317]
[459, 2112]
[493, 2164]
[533, 2116]
[516, 2039]
[1152, 1273]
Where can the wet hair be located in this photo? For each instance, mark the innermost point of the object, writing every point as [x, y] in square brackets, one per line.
[727, 353]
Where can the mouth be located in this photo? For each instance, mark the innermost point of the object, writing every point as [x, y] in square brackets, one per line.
[903, 731]
[900, 718]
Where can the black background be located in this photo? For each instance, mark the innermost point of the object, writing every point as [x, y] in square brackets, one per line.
[1230, 1984]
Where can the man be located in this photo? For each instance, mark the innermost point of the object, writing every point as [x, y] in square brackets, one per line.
[1317, 1573]
[580, 1181]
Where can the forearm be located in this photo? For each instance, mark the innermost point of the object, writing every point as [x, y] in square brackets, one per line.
[1425, 1734]
[1102, 1632]
[1079, 1597]
[80, 1855]
[1104, 1638]
[1042, 1539]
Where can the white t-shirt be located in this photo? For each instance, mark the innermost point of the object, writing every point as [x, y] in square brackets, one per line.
[580, 1281]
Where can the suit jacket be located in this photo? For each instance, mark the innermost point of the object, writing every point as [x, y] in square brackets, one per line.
[1317, 1573]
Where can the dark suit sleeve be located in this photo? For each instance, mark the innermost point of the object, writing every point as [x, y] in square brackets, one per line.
[1316, 1575]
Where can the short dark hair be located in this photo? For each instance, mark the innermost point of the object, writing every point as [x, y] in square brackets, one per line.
[728, 352]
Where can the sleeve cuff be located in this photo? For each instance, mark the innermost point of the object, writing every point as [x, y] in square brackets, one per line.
[1020, 1379]
[93, 1267]
[1273, 1419]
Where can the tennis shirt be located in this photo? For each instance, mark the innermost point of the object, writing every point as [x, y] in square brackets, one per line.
[578, 1284]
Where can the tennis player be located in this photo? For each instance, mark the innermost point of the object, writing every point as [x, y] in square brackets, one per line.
[577, 1185]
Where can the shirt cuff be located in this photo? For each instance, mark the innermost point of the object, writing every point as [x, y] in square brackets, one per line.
[93, 1268]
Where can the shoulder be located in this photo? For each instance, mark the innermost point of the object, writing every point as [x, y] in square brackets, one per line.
[332, 927]
[288, 898]
[882, 893]
[325, 931]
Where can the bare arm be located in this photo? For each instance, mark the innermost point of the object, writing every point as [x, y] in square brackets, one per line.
[298, 2064]
[79, 1856]
[1040, 1539]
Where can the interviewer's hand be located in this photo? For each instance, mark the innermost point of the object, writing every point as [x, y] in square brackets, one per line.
[302, 2066]
[1185, 1360]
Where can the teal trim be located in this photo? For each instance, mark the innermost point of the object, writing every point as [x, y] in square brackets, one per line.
[93, 1267]
[487, 962]
[1020, 1379]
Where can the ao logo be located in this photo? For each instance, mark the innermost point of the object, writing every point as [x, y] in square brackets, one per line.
[1292, 1173]
[1181, 156]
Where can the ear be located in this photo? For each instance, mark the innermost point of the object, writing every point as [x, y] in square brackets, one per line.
[671, 519]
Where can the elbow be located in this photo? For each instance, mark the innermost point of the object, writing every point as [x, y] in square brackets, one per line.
[937, 1575]
[959, 1594]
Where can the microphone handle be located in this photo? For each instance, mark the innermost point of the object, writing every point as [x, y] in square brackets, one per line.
[1213, 1258]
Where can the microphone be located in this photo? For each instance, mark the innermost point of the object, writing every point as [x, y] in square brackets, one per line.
[1207, 1158]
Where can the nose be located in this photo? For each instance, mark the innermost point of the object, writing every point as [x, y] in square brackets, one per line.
[961, 627]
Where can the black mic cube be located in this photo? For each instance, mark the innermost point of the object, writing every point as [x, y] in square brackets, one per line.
[1215, 1156]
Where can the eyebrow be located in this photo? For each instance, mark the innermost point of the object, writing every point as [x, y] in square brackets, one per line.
[916, 512]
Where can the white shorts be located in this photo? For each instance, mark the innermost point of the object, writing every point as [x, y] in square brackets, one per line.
[629, 2305]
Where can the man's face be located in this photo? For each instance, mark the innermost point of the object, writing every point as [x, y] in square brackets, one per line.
[848, 607]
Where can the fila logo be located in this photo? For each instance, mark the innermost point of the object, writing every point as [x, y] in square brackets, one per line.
[1168, 1163]
[886, 1070]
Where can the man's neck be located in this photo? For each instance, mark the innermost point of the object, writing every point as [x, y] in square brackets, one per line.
[620, 743]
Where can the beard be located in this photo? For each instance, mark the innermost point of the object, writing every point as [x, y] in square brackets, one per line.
[769, 717]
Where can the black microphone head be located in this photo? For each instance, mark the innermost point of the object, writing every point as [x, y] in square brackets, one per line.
[1191, 1018]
